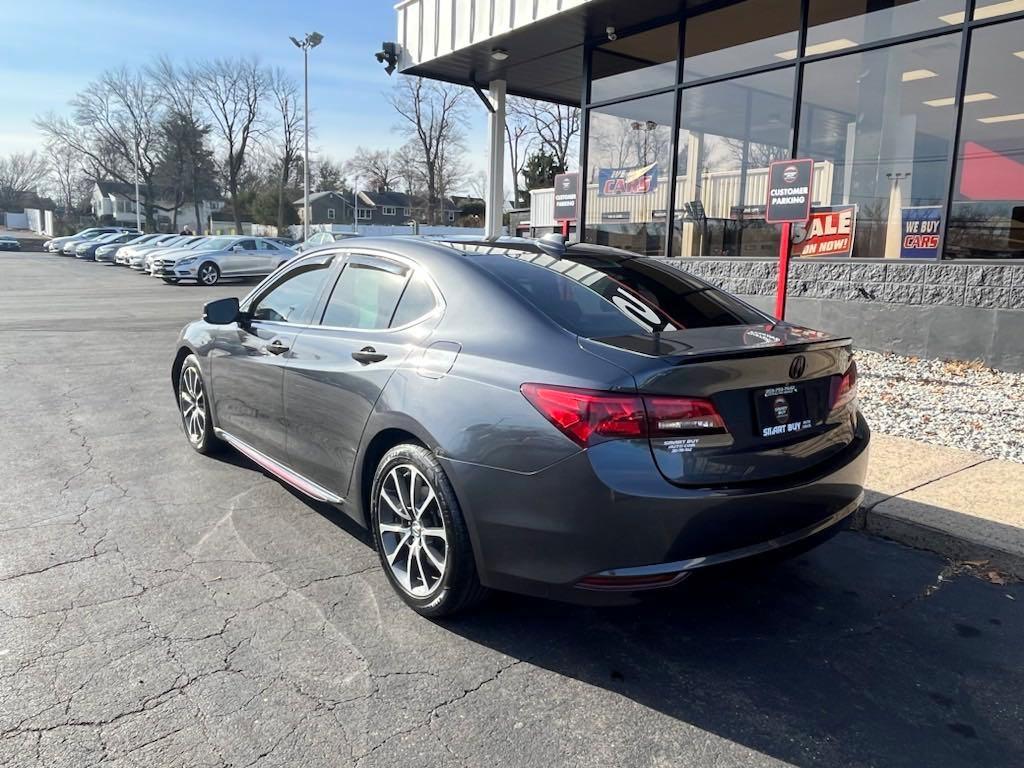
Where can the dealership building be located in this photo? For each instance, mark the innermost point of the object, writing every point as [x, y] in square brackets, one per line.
[911, 110]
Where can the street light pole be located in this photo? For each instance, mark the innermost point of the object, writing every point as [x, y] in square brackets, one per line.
[138, 213]
[311, 40]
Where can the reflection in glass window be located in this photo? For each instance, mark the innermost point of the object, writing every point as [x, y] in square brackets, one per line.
[987, 217]
[987, 9]
[636, 63]
[292, 301]
[881, 130]
[730, 132]
[364, 297]
[740, 36]
[629, 156]
[837, 24]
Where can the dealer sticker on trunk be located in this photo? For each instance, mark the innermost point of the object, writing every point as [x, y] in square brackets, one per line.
[782, 410]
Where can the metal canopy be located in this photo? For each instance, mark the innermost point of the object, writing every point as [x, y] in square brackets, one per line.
[453, 40]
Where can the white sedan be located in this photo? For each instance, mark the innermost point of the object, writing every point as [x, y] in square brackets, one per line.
[225, 256]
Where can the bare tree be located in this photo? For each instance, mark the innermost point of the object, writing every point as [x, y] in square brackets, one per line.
[376, 167]
[20, 172]
[67, 174]
[555, 127]
[116, 128]
[519, 138]
[233, 91]
[432, 116]
[284, 95]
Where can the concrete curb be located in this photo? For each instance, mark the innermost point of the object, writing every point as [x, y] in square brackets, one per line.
[944, 543]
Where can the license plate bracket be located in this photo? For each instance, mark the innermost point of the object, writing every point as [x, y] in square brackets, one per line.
[781, 411]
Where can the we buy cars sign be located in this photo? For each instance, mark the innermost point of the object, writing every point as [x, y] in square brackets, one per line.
[828, 232]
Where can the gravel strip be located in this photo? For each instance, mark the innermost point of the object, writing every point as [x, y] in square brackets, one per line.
[956, 404]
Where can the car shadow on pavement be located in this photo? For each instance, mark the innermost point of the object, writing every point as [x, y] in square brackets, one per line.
[859, 652]
[853, 653]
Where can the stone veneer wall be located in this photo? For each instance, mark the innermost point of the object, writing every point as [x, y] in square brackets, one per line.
[951, 310]
[988, 286]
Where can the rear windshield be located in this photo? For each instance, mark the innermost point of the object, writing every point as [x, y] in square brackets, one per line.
[595, 298]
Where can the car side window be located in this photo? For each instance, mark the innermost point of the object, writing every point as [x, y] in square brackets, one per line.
[294, 298]
[266, 245]
[249, 245]
[365, 296]
[417, 300]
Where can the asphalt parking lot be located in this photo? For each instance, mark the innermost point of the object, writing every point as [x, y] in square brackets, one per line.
[160, 608]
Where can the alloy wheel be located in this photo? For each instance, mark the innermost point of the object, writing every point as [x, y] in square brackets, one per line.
[208, 274]
[192, 401]
[412, 531]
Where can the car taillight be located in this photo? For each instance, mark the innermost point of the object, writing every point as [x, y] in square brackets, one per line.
[844, 388]
[675, 416]
[588, 416]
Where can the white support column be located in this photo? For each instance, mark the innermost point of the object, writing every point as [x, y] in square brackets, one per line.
[495, 160]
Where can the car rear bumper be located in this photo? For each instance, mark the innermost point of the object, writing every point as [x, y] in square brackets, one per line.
[606, 515]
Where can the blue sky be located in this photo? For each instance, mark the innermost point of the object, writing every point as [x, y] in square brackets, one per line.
[52, 48]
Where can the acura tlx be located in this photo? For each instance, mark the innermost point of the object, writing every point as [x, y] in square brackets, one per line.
[575, 422]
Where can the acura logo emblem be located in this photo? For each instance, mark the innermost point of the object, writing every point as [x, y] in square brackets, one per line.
[796, 368]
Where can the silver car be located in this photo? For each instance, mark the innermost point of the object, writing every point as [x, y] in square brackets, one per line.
[134, 253]
[188, 242]
[108, 253]
[323, 238]
[219, 257]
[67, 245]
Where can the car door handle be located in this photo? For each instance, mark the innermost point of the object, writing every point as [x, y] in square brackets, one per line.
[368, 355]
[277, 347]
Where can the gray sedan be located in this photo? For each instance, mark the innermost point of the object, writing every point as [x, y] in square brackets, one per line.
[573, 421]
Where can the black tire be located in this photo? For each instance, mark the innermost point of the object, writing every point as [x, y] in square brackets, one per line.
[458, 589]
[202, 439]
[208, 273]
[170, 280]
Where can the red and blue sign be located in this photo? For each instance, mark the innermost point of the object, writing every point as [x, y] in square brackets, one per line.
[921, 226]
[615, 182]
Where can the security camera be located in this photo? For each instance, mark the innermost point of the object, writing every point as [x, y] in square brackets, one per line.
[611, 33]
[389, 55]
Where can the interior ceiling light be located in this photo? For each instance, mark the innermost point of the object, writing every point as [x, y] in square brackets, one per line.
[985, 11]
[918, 74]
[1002, 118]
[968, 99]
[827, 47]
[499, 54]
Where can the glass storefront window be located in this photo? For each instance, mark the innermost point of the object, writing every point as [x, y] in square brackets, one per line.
[740, 36]
[987, 216]
[730, 132]
[629, 151]
[837, 24]
[880, 125]
[634, 64]
[987, 9]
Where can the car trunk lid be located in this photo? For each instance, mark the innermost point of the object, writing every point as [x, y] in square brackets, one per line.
[772, 384]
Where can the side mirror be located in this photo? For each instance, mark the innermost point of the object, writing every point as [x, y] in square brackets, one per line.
[221, 312]
[237, 248]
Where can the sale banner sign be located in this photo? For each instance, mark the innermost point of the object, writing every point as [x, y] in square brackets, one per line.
[613, 182]
[828, 232]
[921, 225]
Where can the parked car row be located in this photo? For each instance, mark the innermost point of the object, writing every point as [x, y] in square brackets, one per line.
[174, 258]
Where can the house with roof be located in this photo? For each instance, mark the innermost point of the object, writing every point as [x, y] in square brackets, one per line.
[116, 200]
[330, 207]
[385, 207]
